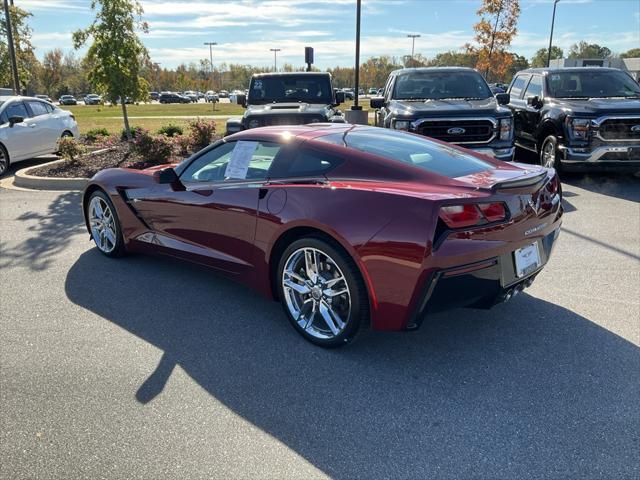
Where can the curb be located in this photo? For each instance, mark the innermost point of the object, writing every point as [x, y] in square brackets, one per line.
[22, 179]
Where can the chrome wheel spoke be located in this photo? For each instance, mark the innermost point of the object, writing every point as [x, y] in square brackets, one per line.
[334, 293]
[301, 289]
[331, 319]
[311, 266]
[110, 235]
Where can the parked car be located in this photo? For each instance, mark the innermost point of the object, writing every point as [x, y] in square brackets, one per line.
[46, 98]
[348, 94]
[287, 98]
[288, 211]
[92, 99]
[200, 94]
[578, 118]
[495, 88]
[67, 100]
[30, 127]
[170, 97]
[154, 95]
[211, 97]
[373, 91]
[223, 94]
[453, 104]
[191, 95]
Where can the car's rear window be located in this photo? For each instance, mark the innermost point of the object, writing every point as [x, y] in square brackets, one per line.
[410, 149]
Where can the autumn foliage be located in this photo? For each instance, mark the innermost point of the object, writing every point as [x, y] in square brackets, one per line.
[494, 32]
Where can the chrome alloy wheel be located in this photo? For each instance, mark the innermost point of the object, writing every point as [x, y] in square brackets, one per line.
[316, 293]
[4, 161]
[103, 224]
[549, 154]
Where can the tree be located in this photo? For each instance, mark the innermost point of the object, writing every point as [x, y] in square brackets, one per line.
[116, 54]
[454, 59]
[494, 32]
[24, 50]
[540, 57]
[633, 53]
[517, 64]
[588, 50]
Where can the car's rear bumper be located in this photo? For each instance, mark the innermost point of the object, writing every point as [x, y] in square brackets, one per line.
[480, 284]
[625, 157]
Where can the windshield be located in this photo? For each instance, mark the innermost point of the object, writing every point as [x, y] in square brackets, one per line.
[411, 149]
[440, 85]
[591, 84]
[290, 88]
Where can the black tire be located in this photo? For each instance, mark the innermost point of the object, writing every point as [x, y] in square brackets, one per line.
[119, 248]
[550, 142]
[5, 161]
[359, 306]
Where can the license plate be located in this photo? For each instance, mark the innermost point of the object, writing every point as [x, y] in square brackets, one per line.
[527, 259]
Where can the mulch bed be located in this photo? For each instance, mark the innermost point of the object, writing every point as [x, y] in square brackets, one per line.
[88, 165]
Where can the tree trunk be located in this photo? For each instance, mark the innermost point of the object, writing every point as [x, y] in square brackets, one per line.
[125, 117]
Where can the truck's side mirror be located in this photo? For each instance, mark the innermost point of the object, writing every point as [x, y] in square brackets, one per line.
[15, 119]
[534, 102]
[339, 97]
[503, 98]
[377, 102]
[241, 98]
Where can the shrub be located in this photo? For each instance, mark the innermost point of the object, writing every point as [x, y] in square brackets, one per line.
[95, 133]
[70, 149]
[154, 149]
[170, 130]
[202, 132]
[134, 132]
[183, 145]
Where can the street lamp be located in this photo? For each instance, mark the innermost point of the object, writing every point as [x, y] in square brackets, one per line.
[12, 50]
[211, 44]
[157, 67]
[553, 19]
[275, 58]
[413, 44]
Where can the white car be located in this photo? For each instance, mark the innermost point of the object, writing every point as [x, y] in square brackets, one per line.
[30, 127]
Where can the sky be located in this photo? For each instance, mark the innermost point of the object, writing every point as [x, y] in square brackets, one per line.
[245, 30]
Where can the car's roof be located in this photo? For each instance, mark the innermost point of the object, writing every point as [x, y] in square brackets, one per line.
[404, 71]
[287, 74]
[7, 98]
[568, 69]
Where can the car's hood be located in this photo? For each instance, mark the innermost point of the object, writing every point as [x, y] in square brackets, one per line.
[286, 109]
[600, 106]
[458, 107]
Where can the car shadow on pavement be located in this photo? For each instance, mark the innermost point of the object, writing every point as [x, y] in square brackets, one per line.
[625, 186]
[49, 233]
[528, 389]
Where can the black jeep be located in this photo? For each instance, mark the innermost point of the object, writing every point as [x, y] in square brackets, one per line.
[453, 104]
[578, 118]
[294, 98]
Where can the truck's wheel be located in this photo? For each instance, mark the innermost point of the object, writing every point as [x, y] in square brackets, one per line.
[549, 154]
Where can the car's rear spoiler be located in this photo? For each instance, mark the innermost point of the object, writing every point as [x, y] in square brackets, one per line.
[531, 181]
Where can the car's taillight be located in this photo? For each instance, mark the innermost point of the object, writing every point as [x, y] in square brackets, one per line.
[553, 185]
[471, 214]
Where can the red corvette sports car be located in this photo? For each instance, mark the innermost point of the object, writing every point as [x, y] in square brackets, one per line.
[345, 225]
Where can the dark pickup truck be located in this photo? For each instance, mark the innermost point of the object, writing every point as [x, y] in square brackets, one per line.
[453, 104]
[578, 118]
[291, 98]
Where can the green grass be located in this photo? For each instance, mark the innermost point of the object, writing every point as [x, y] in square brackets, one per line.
[110, 117]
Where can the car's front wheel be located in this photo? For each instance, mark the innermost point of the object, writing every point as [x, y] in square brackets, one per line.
[322, 292]
[549, 153]
[4, 161]
[104, 225]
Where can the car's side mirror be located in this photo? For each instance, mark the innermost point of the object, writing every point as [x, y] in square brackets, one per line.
[503, 98]
[534, 102]
[166, 176]
[339, 97]
[241, 99]
[377, 102]
[15, 119]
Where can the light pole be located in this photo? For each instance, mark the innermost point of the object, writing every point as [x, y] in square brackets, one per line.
[275, 58]
[413, 44]
[12, 50]
[211, 44]
[553, 19]
[157, 66]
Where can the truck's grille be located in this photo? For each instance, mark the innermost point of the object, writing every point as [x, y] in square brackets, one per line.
[287, 120]
[458, 131]
[620, 129]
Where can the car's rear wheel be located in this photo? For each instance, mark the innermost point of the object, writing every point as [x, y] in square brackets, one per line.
[549, 154]
[105, 225]
[4, 160]
[322, 292]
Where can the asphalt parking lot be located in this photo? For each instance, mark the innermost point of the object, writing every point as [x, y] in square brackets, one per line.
[148, 368]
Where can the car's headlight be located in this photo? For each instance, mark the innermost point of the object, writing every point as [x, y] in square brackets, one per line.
[505, 129]
[579, 127]
[401, 124]
[254, 123]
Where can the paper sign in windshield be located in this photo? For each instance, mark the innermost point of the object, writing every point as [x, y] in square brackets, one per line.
[240, 159]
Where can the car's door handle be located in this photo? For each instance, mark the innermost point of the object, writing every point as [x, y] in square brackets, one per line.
[32, 125]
